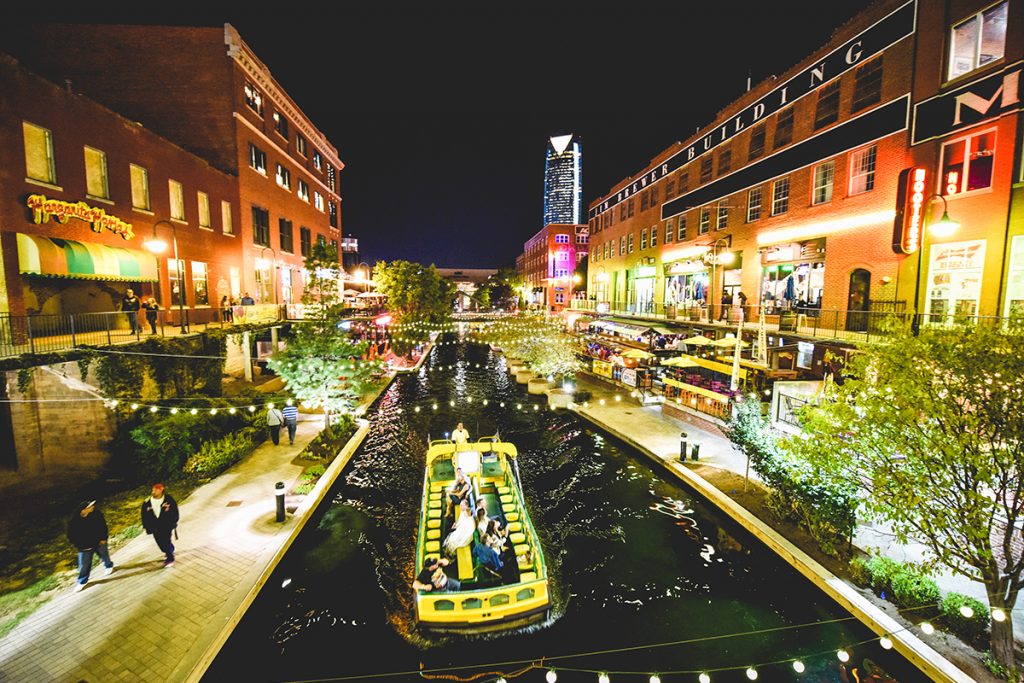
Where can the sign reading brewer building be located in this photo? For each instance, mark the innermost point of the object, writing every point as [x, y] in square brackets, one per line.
[44, 209]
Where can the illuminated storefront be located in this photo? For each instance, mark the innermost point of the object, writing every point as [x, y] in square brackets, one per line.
[794, 276]
[954, 280]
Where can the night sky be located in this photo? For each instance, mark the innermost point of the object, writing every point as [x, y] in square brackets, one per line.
[441, 111]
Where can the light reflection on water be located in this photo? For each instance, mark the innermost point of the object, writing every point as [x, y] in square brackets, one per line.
[633, 557]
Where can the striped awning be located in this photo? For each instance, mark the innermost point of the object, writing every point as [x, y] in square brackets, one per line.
[53, 257]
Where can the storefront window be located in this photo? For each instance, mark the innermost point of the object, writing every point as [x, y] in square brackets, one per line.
[686, 289]
[1014, 305]
[967, 163]
[954, 281]
[787, 286]
[175, 277]
[200, 284]
[286, 285]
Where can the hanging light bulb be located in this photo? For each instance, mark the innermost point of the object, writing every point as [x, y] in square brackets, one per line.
[966, 611]
[998, 615]
[485, 401]
[502, 404]
[843, 655]
[252, 409]
[113, 404]
[927, 628]
[551, 676]
[174, 411]
[603, 678]
[704, 678]
[798, 666]
[193, 412]
[232, 410]
[417, 409]
[469, 399]
[655, 678]
[751, 673]
[152, 409]
[885, 642]
[213, 411]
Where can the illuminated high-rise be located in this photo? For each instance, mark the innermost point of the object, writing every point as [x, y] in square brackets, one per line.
[563, 180]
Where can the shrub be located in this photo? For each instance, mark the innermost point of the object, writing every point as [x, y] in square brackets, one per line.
[216, 456]
[881, 572]
[970, 629]
[329, 441]
[859, 571]
[911, 589]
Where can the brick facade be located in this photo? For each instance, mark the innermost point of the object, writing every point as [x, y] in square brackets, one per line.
[548, 265]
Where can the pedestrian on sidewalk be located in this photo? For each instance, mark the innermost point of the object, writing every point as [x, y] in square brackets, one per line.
[152, 308]
[291, 419]
[87, 531]
[274, 421]
[130, 305]
[160, 518]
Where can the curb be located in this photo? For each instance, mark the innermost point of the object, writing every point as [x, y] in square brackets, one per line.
[917, 652]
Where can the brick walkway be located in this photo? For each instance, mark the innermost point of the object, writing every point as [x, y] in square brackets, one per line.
[147, 623]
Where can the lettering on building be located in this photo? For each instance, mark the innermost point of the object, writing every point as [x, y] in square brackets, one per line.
[44, 209]
[985, 98]
[910, 193]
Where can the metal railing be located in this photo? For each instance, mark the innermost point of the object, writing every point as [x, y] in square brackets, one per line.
[819, 323]
[47, 333]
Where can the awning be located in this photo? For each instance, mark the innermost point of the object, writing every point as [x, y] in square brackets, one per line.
[52, 257]
[625, 327]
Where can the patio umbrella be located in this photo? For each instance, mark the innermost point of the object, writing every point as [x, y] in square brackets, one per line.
[729, 342]
[679, 362]
[698, 340]
[637, 353]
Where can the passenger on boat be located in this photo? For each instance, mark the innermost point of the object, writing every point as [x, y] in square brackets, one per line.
[458, 492]
[480, 518]
[460, 435]
[486, 555]
[424, 581]
[495, 536]
[462, 530]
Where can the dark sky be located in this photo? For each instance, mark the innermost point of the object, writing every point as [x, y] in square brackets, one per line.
[441, 111]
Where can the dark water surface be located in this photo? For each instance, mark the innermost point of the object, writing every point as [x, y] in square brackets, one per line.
[635, 560]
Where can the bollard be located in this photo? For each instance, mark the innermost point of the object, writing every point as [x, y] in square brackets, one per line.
[682, 446]
[695, 451]
[279, 493]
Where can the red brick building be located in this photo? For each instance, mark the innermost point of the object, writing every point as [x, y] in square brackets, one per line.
[80, 194]
[549, 263]
[205, 89]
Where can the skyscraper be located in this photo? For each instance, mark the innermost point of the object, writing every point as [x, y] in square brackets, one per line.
[563, 180]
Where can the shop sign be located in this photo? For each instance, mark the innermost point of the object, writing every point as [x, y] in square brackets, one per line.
[986, 98]
[602, 368]
[647, 271]
[628, 377]
[780, 254]
[684, 267]
[959, 256]
[44, 209]
[906, 234]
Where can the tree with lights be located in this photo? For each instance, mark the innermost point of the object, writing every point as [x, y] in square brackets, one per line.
[549, 350]
[321, 364]
[929, 428]
[418, 298]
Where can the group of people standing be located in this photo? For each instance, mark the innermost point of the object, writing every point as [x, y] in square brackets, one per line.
[88, 533]
[131, 305]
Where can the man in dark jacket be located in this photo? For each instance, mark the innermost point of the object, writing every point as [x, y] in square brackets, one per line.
[130, 304]
[160, 518]
[87, 531]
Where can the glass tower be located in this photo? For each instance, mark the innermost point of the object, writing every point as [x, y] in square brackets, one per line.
[563, 180]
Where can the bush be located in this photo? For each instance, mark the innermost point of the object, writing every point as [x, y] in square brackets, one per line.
[970, 629]
[911, 589]
[216, 456]
[881, 572]
[329, 441]
[859, 571]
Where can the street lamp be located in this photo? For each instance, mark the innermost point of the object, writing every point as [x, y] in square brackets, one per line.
[273, 268]
[944, 227]
[717, 257]
[362, 276]
[157, 246]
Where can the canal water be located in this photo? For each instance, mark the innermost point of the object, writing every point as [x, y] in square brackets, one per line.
[646, 577]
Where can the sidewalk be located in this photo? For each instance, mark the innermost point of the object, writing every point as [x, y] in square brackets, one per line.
[660, 435]
[147, 623]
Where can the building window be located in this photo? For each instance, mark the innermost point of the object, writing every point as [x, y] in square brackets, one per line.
[629, 243]
[643, 200]
[780, 196]
[977, 41]
[654, 235]
[722, 219]
[332, 214]
[331, 179]
[200, 284]
[318, 200]
[724, 161]
[862, 170]
[561, 239]
[756, 143]
[753, 204]
[227, 227]
[643, 238]
[705, 169]
[867, 85]
[827, 110]
[669, 230]
[303, 190]
[622, 211]
[783, 128]
[305, 241]
[705, 220]
[260, 226]
[681, 229]
[281, 124]
[300, 144]
[967, 163]
[631, 206]
[39, 161]
[622, 246]
[257, 159]
[177, 195]
[96, 184]
[824, 175]
[318, 161]
[654, 196]
[684, 182]
[607, 250]
[204, 210]
[284, 177]
[175, 278]
[670, 188]
[253, 98]
[284, 232]
[140, 187]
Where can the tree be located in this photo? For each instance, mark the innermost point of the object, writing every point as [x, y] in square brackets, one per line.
[418, 298]
[321, 364]
[503, 288]
[548, 349]
[481, 297]
[929, 429]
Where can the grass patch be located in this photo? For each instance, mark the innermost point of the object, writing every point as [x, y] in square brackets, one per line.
[17, 605]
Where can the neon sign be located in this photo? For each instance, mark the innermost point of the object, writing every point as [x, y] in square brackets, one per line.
[44, 209]
[910, 195]
[952, 182]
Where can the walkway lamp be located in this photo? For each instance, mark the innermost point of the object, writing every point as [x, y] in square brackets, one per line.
[156, 245]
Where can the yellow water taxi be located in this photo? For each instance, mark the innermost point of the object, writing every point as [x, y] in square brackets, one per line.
[486, 600]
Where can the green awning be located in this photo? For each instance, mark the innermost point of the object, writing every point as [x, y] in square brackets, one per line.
[53, 257]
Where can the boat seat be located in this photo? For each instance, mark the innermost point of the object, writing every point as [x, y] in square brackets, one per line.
[435, 496]
[507, 498]
[433, 524]
[503, 489]
[435, 513]
[515, 526]
[522, 549]
[464, 557]
[524, 562]
[527, 576]
[433, 546]
[437, 487]
[508, 507]
[517, 537]
[512, 517]
[433, 534]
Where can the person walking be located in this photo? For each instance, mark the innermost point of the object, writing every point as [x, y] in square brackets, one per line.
[130, 305]
[152, 308]
[291, 419]
[160, 518]
[274, 421]
[87, 531]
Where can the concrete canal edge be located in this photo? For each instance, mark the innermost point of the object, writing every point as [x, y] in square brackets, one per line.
[916, 651]
[302, 515]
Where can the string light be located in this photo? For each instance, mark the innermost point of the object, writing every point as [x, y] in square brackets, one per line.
[603, 678]
[927, 628]
[751, 673]
[998, 615]
[798, 666]
[843, 656]
[551, 676]
[885, 642]
[704, 678]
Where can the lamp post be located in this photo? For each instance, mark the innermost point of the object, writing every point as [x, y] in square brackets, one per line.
[717, 257]
[362, 276]
[273, 267]
[944, 227]
[158, 246]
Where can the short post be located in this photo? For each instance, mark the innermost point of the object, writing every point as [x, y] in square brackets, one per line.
[682, 446]
[695, 451]
[279, 494]
[72, 319]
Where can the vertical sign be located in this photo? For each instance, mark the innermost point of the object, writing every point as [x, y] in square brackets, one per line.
[906, 234]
